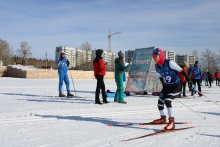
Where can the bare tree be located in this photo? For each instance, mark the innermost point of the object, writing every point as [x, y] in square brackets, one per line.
[86, 58]
[25, 50]
[195, 54]
[208, 60]
[85, 46]
[6, 52]
[218, 59]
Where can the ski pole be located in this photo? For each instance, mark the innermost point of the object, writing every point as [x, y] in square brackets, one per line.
[208, 98]
[191, 109]
[72, 82]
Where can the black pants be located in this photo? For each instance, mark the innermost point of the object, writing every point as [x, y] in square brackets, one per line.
[198, 84]
[217, 82]
[167, 95]
[100, 85]
[184, 88]
[210, 83]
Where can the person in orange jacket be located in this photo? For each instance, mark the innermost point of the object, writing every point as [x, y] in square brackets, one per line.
[183, 79]
[217, 77]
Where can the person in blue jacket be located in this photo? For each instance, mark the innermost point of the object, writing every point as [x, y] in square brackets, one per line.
[196, 74]
[63, 64]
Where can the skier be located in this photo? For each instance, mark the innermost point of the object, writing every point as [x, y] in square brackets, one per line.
[183, 79]
[209, 75]
[205, 77]
[196, 75]
[170, 80]
[120, 68]
[63, 64]
[217, 77]
[99, 73]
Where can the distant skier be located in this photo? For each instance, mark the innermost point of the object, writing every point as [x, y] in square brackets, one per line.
[196, 75]
[63, 64]
[120, 69]
[217, 77]
[170, 80]
[205, 78]
[99, 73]
[209, 75]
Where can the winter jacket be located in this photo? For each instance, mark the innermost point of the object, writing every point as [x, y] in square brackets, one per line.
[217, 75]
[205, 76]
[63, 65]
[119, 69]
[98, 64]
[196, 73]
[209, 75]
[182, 77]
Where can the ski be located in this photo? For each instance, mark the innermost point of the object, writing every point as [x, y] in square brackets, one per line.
[157, 133]
[143, 124]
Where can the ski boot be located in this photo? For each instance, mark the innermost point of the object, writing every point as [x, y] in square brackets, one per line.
[70, 95]
[123, 102]
[161, 120]
[99, 103]
[170, 125]
[184, 95]
[105, 102]
[61, 94]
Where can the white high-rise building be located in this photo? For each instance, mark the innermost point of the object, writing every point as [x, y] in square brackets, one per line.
[189, 59]
[129, 55]
[169, 55]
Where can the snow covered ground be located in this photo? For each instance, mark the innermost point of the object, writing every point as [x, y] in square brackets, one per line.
[31, 114]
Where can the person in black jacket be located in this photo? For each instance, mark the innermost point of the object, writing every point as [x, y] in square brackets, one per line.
[209, 76]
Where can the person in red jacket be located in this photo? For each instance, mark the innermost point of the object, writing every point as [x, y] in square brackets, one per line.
[217, 77]
[99, 73]
[183, 79]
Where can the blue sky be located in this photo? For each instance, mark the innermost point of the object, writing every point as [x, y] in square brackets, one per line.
[178, 25]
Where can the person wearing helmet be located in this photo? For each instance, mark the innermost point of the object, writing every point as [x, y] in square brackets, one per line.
[168, 71]
[63, 64]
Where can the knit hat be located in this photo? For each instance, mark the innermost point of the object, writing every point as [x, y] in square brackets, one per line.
[120, 54]
[62, 53]
[184, 63]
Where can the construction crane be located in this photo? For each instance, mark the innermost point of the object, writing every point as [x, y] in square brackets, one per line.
[109, 39]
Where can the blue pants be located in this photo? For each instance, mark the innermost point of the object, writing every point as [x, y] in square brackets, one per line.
[64, 77]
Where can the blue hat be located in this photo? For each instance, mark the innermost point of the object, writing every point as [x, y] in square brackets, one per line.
[156, 51]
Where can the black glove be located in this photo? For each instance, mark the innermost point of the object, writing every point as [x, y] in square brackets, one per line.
[190, 85]
[68, 63]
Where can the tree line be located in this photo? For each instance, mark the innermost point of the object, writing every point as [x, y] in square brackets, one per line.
[208, 60]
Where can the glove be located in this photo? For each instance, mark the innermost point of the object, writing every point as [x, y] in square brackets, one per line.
[190, 85]
[67, 62]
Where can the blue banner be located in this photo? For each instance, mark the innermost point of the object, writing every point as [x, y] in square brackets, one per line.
[139, 70]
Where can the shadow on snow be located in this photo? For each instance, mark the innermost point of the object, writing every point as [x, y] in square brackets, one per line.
[93, 119]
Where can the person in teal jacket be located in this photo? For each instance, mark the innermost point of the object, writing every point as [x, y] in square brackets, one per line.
[119, 71]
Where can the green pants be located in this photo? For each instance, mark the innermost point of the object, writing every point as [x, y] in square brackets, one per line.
[120, 92]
